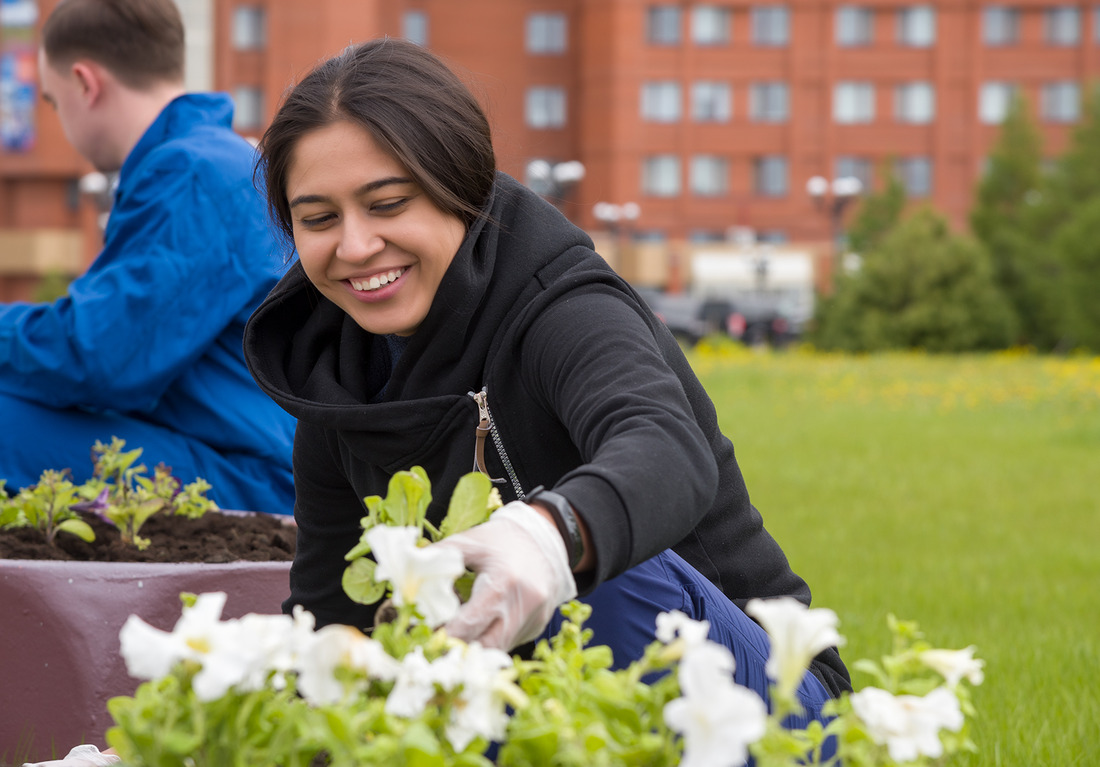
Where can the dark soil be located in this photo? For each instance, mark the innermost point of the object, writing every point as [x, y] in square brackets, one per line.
[214, 537]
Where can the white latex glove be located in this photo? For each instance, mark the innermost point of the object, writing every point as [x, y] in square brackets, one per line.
[80, 756]
[522, 576]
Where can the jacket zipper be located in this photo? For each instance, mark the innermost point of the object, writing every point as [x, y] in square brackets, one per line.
[486, 427]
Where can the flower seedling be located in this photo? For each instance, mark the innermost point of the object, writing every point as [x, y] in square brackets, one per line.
[47, 507]
[120, 493]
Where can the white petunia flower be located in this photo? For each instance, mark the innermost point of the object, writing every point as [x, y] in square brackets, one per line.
[675, 624]
[908, 725]
[955, 665]
[414, 686]
[717, 718]
[484, 679]
[151, 653]
[796, 634]
[421, 576]
[241, 654]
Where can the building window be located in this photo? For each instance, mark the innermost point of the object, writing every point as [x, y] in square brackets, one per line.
[661, 175]
[854, 25]
[709, 175]
[770, 25]
[1062, 25]
[545, 107]
[854, 167]
[248, 107]
[915, 102]
[770, 176]
[546, 33]
[249, 28]
[414, 27]
[1000, 25]
[994, 101]
[917, 26]
[711, 102]
[769, 103]
[1060, 102]
[854, 102]
[710, 25]
[915, 174]
[661, 102]
[663, 25]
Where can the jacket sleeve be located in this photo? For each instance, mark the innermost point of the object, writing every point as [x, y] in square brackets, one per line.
[163, 288]
[328, 513]
[648, 474]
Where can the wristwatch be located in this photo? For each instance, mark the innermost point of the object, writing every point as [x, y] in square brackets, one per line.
[566, 520]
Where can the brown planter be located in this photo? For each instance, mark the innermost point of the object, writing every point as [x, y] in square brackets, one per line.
[59, 647]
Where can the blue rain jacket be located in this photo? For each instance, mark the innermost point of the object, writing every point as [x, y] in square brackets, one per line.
[147, 345]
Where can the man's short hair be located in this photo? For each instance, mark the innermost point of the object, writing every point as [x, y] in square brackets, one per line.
[141, 42]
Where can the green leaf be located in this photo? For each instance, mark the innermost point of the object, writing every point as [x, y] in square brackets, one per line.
[421, 747]
[359, 583]
[360, 549]
[79, 528]
[407, 498]
[469, 504]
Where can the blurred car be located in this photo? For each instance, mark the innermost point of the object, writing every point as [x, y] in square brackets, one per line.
[692, 318]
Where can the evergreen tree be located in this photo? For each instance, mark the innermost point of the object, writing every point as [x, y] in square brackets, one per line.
[1078, 247]
[921, 287]
[1060, 282]
[878, 213]
[1009, 186]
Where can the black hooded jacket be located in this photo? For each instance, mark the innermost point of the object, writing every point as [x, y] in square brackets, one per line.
[589, 394]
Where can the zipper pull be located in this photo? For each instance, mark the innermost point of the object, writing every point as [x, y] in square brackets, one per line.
[483, 430]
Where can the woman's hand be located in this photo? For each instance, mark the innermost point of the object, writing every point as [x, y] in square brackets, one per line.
[522, 576]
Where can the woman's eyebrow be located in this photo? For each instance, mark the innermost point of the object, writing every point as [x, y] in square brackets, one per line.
[370, 186]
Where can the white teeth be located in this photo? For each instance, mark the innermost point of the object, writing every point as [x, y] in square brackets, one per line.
[377, 281]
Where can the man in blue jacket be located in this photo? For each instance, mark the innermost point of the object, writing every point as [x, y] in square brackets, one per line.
[146, 346]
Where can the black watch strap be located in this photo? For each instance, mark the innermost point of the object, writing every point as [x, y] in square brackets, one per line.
[566, 520]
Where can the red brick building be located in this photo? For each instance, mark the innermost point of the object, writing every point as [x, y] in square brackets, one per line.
[706, 115]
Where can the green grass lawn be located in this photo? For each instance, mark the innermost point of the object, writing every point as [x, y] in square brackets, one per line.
[962, 493]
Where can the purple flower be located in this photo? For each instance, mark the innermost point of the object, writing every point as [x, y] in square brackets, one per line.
[97, 506]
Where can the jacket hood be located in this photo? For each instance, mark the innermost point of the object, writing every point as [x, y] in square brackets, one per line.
[315, 361]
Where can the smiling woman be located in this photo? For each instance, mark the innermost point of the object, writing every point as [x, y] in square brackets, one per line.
[367, 236]
[442, 315]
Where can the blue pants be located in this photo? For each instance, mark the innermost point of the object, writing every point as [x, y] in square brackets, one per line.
[624, 617]
[34, 438]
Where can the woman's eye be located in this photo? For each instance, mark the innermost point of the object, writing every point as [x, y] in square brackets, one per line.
[389, 206]
[315, 221]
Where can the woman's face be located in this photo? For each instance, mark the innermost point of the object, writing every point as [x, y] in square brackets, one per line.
[366, 234]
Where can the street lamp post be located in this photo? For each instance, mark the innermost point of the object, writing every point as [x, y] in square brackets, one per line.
[553, 181]
[619, 220]
[833, 198]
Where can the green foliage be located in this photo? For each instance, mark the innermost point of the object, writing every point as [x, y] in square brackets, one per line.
[920, 287]
[1005, 194]
[128, 499]
[117, 492]
[582, 713]
[1077, 244]
[878, 213]
[406, 505]
[53, 285]
[46, 506]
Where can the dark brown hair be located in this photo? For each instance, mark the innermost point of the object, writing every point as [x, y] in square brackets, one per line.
[410, 103]
[141, 42]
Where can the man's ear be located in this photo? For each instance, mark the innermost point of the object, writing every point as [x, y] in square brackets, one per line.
[89, 76]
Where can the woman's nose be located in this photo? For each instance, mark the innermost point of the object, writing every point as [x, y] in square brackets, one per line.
[358, 240]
